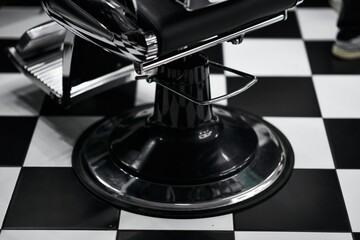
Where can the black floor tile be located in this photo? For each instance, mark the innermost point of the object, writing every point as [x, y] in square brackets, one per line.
[15, 137]
[323, 62]
[175, 235]
[53, 198]
[5, 64]
[21, 3]
[311, 201]
[344, 138]
[108, 103]
[285, 29]
[356, 236]
[277, 97]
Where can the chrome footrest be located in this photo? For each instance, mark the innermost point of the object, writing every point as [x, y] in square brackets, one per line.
[46, 72]
[46, 55]
[251, 80]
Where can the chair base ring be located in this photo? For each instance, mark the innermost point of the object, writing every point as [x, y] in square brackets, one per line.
[98, 166]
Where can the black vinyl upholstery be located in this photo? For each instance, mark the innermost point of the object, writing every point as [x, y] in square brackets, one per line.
[175, 27]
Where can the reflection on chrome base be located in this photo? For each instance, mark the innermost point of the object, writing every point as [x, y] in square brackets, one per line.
[101, 168]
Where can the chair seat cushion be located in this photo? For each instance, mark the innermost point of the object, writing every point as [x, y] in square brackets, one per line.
[175, 27]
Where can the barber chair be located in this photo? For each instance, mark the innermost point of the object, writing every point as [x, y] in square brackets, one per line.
[182, 157]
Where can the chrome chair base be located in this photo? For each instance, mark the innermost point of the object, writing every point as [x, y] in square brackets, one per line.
[234, 163]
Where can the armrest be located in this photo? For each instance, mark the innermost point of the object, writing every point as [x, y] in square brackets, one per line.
[110, 24]
[143, 31]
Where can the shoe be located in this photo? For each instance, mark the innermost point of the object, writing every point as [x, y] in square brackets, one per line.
[348, 50]
[336, 5]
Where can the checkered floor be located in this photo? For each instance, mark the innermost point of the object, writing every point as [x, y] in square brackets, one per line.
[309, 95]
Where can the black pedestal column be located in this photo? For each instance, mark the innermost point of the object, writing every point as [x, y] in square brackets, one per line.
[179, 159]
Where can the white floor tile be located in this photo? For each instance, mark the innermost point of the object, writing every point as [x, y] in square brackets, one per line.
[56, 235]
[317, 24]
[14, 21]
[218, 87]
[19, 96]
[291, 236]
[268, 57]
[53, 140]
[349, 182]
[338, 96]
[130, 221]
[8, 177]
[308, 139]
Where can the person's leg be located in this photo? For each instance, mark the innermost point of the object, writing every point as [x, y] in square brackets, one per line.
[349, 20]
[347, 45]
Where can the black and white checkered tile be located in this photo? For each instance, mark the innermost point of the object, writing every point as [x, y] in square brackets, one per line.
[309, 95]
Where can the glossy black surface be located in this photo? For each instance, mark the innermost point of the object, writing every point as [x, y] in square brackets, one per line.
[323, 62]
[176, 27]
[344, 137]
[100, 171]
[15, 137]
[41, 201]
[188, 76]
[73, 12]
[280, 96]
[311, 201]
[183, 156]
[5, 64]
[114, 28]
[356, 236]
[154, 148]
[99, 105]
[90, 61]
[180, 159]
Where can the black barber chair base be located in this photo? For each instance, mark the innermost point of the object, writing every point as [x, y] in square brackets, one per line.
[97, 160]
[183, 160]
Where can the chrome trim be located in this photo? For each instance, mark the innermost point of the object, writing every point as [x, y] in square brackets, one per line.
[286, 15]
[252, 80]
[51, 85]
[44, 53]
[38, 32]
[142, 68]
[191, 5]
[133, 43]
[124, 73]
[41, 38]
[135, 6]
[299, 2]
[103, 176]
[47, 74]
